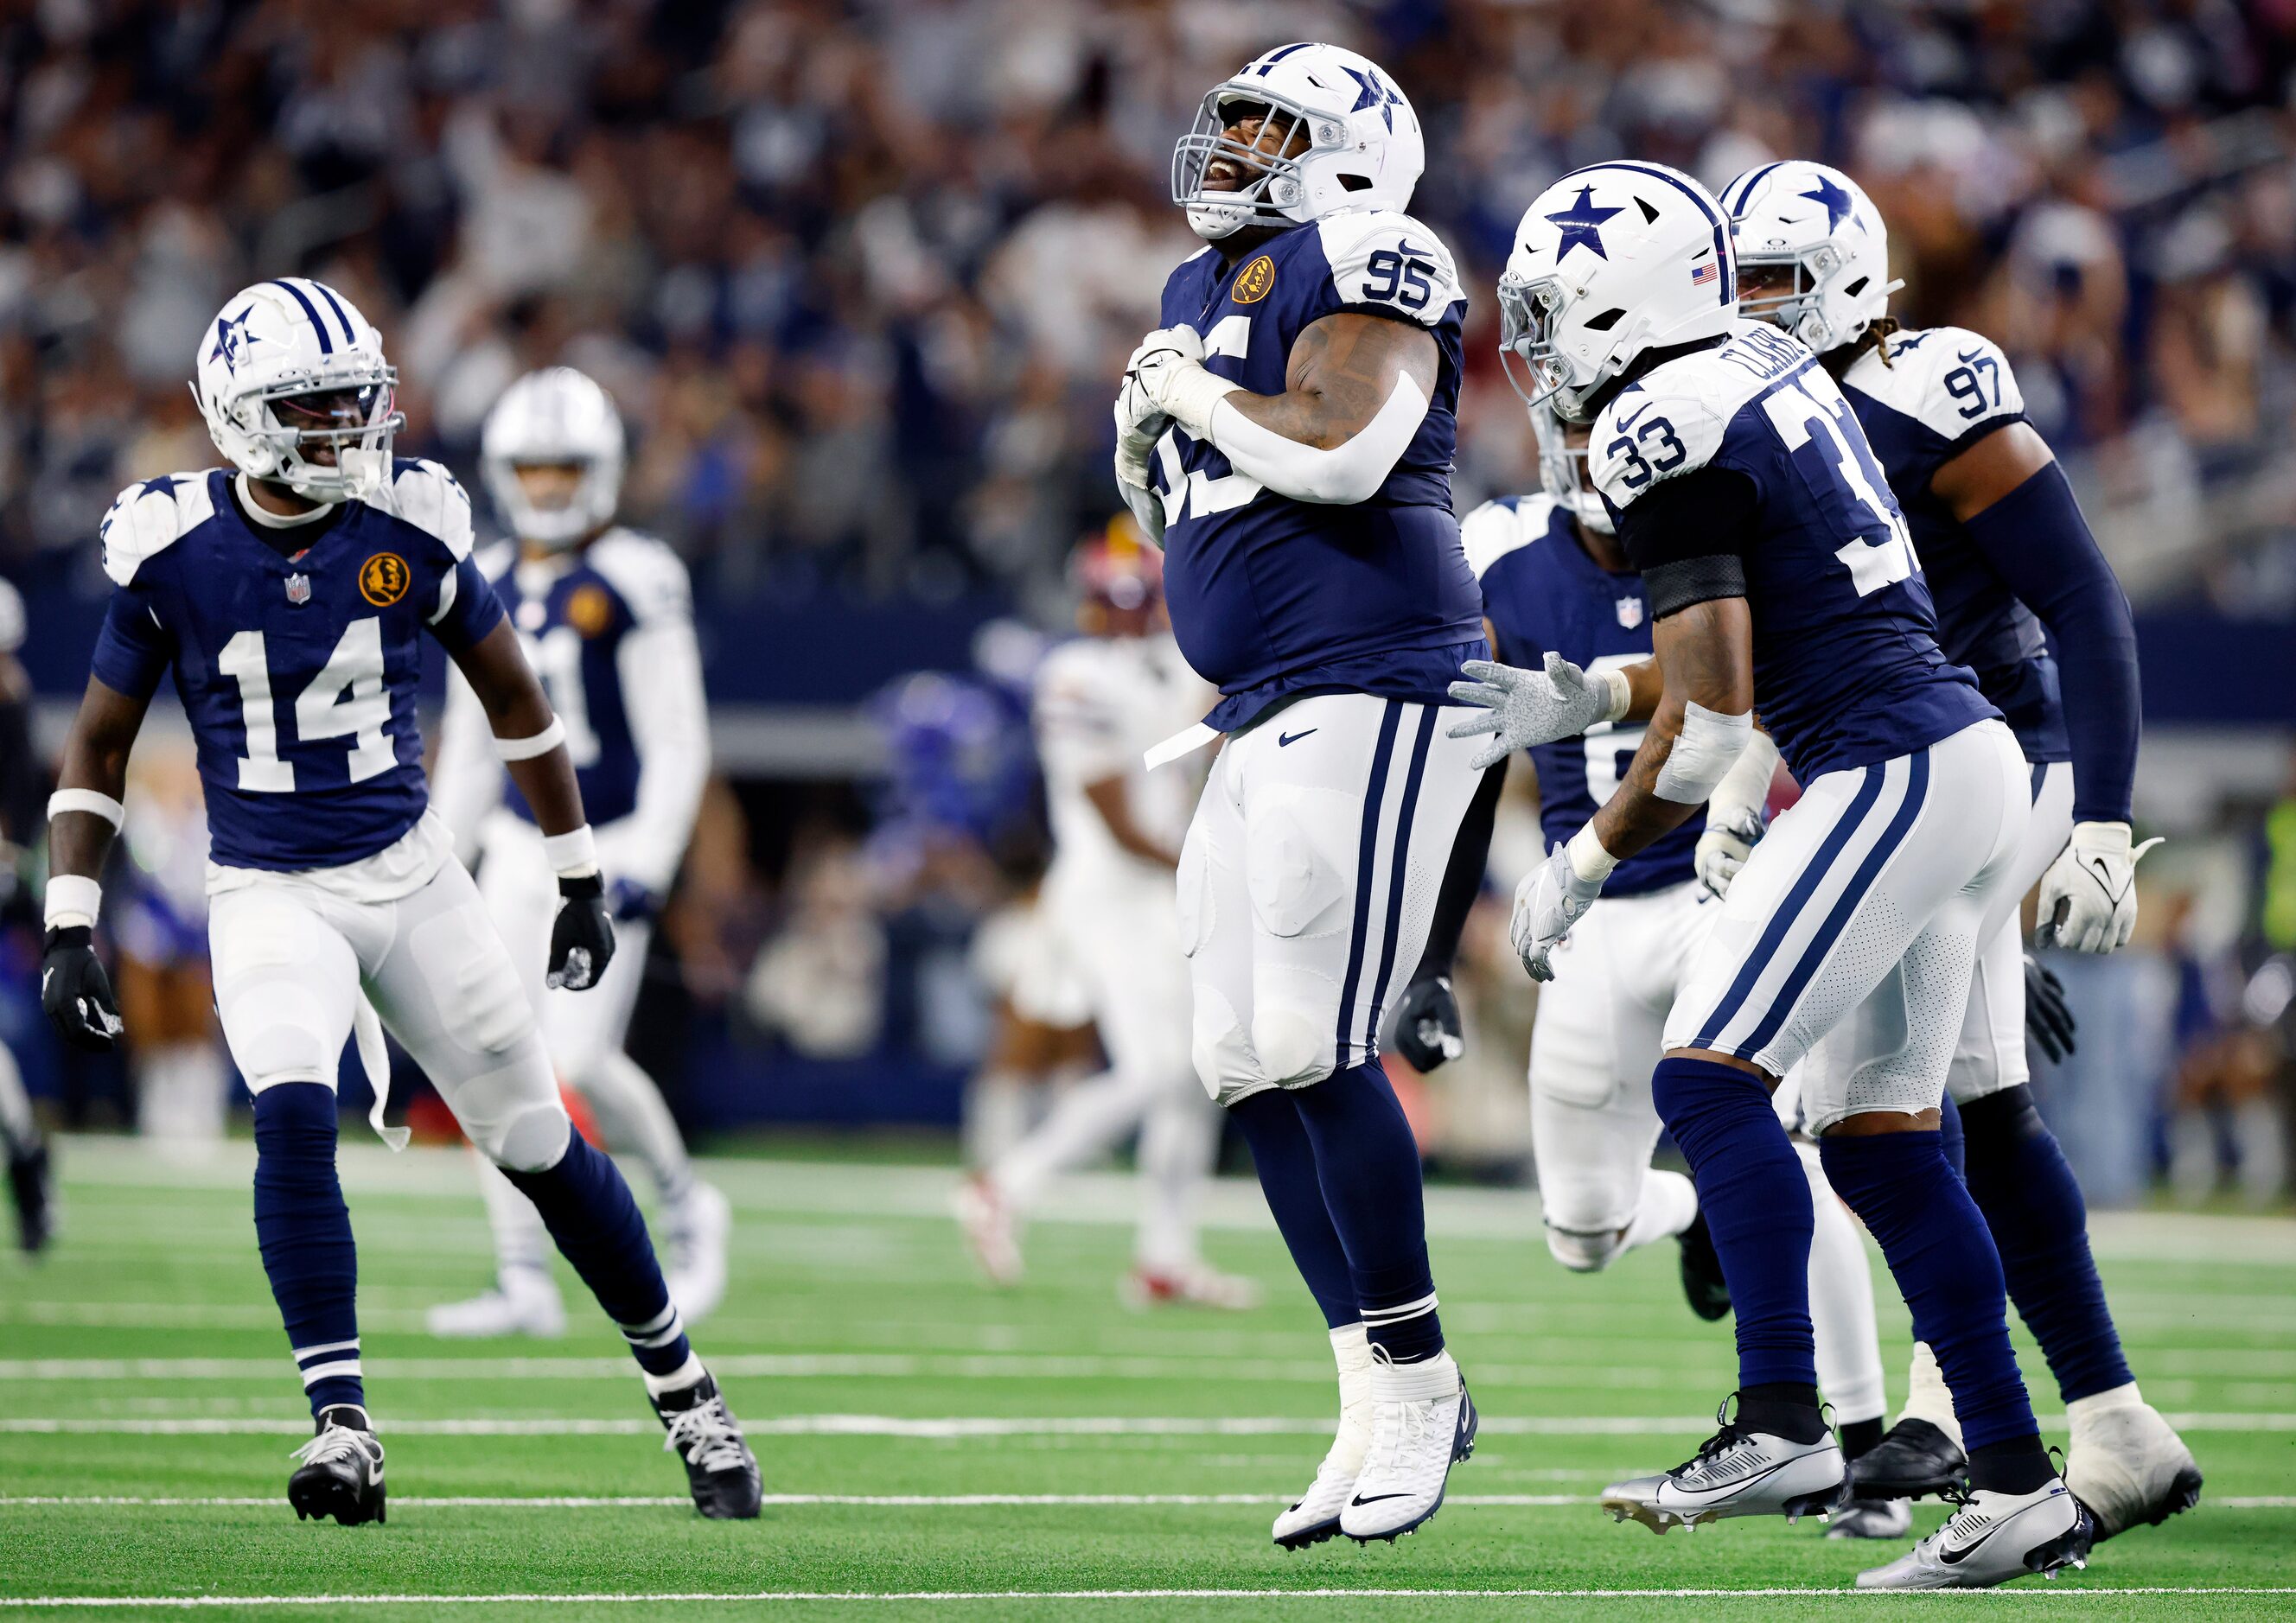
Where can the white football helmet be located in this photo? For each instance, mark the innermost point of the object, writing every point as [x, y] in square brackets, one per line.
[1562, 469]
[290, 370]
[1610, 261]
[1363, 146]
[1821, 222]
[557, 417]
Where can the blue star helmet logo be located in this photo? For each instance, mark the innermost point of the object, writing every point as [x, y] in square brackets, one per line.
[1836, 202]
[1372, 91]
[231, 336]
[1581, 223]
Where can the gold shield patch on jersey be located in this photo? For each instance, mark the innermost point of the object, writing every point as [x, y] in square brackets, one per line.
[383, 579]
[1253, 281]
[588, 609]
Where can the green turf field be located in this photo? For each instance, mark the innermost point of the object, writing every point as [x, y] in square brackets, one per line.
[938, 1450]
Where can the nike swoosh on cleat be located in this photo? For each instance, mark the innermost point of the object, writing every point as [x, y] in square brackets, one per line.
[1284, 741]
[1376, 1498]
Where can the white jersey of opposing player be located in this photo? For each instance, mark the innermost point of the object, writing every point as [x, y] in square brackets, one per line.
[1101, 703]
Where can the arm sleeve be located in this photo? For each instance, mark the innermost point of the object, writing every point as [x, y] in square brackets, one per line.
[466, 778]
[2037, 539]
[1689, 537]
[134, 649]
[1462, 878]
[659, 663]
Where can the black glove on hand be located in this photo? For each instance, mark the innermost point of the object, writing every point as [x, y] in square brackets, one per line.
[76, 992]
[1427, 1030]
[582, 940]
[2047, 1020]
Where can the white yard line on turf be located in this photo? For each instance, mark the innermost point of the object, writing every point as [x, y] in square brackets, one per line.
[201, 1602]
[967, 1426]
[2253, 1502]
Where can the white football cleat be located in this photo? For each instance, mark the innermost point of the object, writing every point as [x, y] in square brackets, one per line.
[524, 1303]
[1315, 1515]
[1422, 1423]
[2127, 1464]
[991, 1233]
[1993, 1538]
[1737, 1473]
[1890, 1518]
[1194, 1284]
[696, 1228]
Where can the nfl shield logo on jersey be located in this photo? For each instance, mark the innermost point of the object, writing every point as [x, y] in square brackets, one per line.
[1631, 612]
[298, 589]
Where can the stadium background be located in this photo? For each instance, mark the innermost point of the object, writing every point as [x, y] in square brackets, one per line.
[861, 278]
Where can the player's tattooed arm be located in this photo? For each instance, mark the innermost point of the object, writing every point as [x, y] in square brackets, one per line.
[517, 707]
[1343, 369]
[1705, 653]
[95, 758]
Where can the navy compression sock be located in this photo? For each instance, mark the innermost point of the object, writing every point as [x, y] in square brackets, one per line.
[1938, 1249]
[592, 1216]
[2031, 1201]
[1953, 1138]
[1755, 1198]
[304, 1229]
[1286, 1164]
[1367, 1161]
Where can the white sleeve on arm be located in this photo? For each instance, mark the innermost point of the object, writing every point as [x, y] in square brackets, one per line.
[659, 663]
[466, 778]
[1349, 472]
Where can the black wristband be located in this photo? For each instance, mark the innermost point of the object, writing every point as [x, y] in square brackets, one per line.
[571, 886]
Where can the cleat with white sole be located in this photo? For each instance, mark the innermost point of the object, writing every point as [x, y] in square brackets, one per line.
[1890, 1519]
[340, 1471]
[1315, 1516]
[1993, 1538]
[991, 1232]
[696, 1229]
[1422, 1423]
[1736, 1472]
[720, 1471]
[524, 1303]
[2127, 1464]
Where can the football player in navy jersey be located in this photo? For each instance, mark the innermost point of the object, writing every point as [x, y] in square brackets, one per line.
[1555, 580]
[288, 600]
[2006, 551]
[1287, 436]
[606, 616]
[1779, 574]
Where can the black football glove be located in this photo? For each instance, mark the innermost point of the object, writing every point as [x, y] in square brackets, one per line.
[582, 940]
[76, 992]
[1427, 1030]
[2048, 1022]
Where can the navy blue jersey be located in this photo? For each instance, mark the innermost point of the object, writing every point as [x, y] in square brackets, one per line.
[1847, 668]
[1270, 596]
[1939, 392]
[574, 612]
[1543, 594]
[298, 674]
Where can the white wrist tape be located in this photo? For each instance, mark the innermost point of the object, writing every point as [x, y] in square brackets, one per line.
[72, 901]
[526, 749]
[1191, 396]
[1744, 789]
[88, 800]
[1709, 745]
[1589, 858]
[572, 855]
[1349, 472]
[1622, 693]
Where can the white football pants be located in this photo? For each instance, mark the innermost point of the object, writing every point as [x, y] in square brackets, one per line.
[1309, 880]
[1990, 1056]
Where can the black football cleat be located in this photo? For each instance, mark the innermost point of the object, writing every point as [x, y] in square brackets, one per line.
[1913, 1460]
[1701, 1271]
[31, 1185]
[719, 1468]
[342, 1471]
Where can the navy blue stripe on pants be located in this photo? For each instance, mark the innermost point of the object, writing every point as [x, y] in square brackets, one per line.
[1782, 920]
[1397, 871]
[1366, 862]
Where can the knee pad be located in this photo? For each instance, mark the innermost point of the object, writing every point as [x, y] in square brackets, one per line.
[1585, 1252]
[532, 1140]
[1221, 1049]
[1297, 1048]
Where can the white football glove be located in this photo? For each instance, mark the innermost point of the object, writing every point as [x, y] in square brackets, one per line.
[1139, 425]
[1533, 706]
[1723, 849]
[2088, 895]
[1165, 378]
[1550, 900]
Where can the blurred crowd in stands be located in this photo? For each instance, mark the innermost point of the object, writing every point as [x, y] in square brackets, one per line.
[860, 273]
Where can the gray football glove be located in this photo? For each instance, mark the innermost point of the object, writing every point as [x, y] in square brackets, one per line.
[1527, 706]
